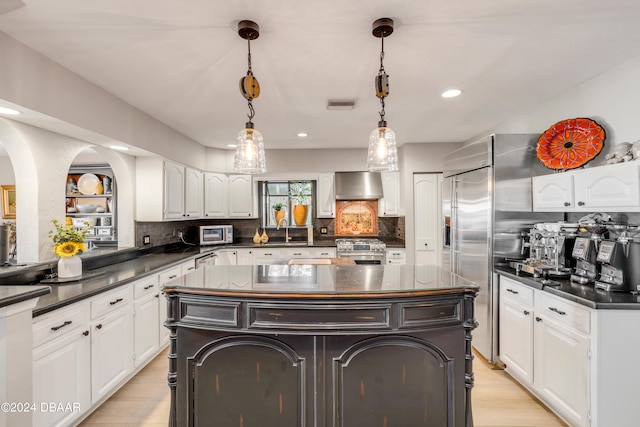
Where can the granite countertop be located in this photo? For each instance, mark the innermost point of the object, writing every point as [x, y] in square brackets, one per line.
[582, 294]
[14, 294]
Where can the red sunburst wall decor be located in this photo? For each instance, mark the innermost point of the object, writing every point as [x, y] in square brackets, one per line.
[570, 144]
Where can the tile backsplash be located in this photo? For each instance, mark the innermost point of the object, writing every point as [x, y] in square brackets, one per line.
[164, 233]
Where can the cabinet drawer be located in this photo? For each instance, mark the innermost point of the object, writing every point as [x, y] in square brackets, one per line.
[563, 311]
[168, 275]
[59, 322]
[145, 287]
[110, 301]
[515, 291]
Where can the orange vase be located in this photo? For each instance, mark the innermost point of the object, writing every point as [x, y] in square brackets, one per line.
[279, 216]
[300, 214]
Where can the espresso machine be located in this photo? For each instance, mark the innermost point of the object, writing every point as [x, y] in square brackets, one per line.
[550, 246]
[619, 257]
[585, 253]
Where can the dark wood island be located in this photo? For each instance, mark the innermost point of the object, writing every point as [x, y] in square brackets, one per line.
[321, 345]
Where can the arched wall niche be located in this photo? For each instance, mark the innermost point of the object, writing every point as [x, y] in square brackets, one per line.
[41, 161]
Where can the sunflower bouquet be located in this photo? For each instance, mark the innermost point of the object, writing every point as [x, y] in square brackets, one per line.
[67, 241]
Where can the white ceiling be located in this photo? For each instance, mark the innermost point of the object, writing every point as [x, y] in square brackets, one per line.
[180, 61]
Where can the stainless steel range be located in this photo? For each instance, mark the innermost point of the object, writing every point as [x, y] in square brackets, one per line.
[363, 251]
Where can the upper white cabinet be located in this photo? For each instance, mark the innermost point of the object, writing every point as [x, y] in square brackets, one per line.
[389, 205]
[216, 195]
[167, 190]
[193, 193]
[241, 194]
[326, 196]
[614, 188]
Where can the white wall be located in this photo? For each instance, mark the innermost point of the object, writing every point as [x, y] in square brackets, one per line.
[611, 99]
[7, 176]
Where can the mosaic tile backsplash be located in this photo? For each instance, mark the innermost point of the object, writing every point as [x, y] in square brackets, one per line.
[164, 233]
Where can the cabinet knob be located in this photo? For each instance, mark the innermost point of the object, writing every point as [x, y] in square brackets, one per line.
[567, 204]
[85, 333]
[538, 319]
[580, 203]
[526, 313]
[426, 244]
[99, 326]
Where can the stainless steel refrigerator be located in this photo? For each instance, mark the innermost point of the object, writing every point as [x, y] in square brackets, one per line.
[487, 204]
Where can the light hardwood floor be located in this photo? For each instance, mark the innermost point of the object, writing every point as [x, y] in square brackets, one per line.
[498, 401]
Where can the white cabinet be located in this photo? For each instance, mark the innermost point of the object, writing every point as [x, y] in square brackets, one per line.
[241, 194]
[323, 252]
[427, 218]
[61, 363]
[193, 193]
[516, 329]
[561, 357]
[266, 256]
[326, 196]
[111, 342]
[227, 257]
[389, 205]
[167, 190]
[613, 188]
[216, 195]
[146, 332]
[244, 257]
[396, 256]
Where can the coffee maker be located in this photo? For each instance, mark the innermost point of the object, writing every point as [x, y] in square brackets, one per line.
[585, 252]
[549, 247]
[620, 260]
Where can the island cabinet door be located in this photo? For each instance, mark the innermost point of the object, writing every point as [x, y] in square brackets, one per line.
[245, 380]
[396, 380]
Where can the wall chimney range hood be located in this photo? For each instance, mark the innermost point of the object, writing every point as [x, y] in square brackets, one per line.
[358, 185]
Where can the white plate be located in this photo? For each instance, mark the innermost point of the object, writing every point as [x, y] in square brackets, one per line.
[88, 183]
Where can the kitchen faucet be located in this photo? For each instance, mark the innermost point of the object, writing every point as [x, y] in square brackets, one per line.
[286, 229]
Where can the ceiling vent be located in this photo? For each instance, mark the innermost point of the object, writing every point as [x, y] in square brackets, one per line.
[341, 104]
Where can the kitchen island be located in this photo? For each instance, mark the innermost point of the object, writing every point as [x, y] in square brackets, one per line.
[316, 345]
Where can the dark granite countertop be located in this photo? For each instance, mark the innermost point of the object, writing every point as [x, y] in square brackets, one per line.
[14, 294]
[585, 295]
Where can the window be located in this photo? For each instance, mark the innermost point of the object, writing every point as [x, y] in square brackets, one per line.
[284, 195]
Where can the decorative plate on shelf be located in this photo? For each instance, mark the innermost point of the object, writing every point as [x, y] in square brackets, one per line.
[570, 143]
[88, 183]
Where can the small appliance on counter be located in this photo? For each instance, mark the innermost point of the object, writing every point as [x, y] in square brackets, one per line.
[620, 260]
[549, 247]
[585, 252]
[215, 234]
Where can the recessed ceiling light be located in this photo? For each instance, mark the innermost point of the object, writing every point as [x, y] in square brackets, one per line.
[301, 134]
[9, 111]
[451, 93]
[119, 147]
[231, 145]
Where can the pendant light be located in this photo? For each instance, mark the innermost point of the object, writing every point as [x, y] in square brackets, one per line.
[249, 157]
[383, 152]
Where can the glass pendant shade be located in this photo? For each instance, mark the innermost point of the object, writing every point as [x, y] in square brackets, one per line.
[249, 157]
[383, 152]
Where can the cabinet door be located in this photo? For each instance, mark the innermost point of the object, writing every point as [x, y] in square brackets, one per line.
[396, 256]
[427, 213]
[240, 196]
[146, 332]
[62, 373]
[173, 191]
[326, 196]
[226, 257]
[266, 256]
[606, 187]
[244, 257]
[194, 194]
[215, 195]
[111, 351]
[516, 338]
[553, 193]
[561, 366]
[389, 205]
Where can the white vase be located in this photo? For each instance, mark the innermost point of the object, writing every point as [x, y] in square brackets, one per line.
[70, 266]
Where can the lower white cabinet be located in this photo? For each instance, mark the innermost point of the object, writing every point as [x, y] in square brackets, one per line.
[396, 256]
[111, 341]
[146, 325]
[577, 360]
[61, 364]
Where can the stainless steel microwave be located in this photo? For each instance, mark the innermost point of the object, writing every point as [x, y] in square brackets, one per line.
[216, 234]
